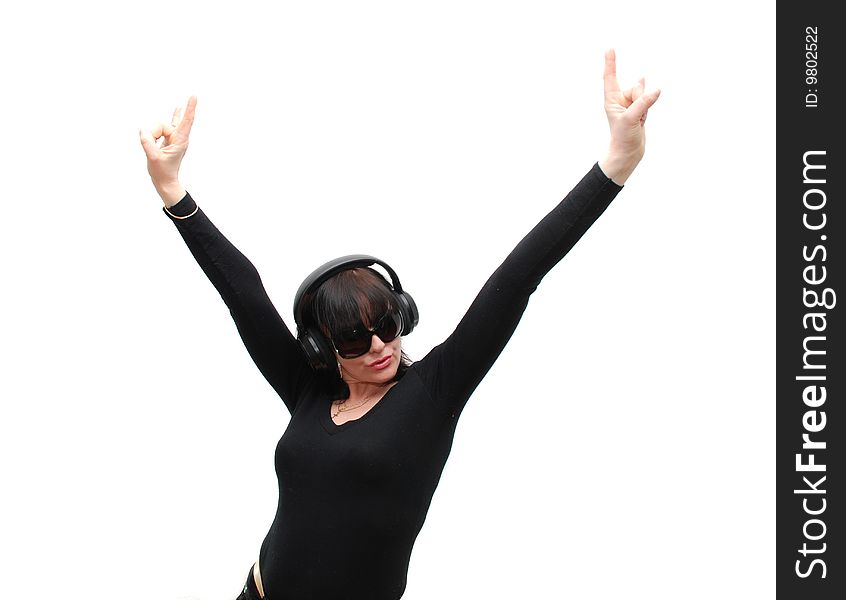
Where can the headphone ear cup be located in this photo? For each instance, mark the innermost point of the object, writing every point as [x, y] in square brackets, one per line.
[408, 309]
[317, 349]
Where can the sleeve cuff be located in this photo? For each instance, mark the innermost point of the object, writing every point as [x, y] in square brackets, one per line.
[598, 172]
[183, 208]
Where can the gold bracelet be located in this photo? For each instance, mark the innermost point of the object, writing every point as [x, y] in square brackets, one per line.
[196, 208]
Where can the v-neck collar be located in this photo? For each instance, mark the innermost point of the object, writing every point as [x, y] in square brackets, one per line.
[332, 428]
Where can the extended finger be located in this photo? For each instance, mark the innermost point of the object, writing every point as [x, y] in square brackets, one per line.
[184, 126]
[177, 116]
[611, 84]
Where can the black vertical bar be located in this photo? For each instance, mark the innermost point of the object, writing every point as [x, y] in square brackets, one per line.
[811, 226]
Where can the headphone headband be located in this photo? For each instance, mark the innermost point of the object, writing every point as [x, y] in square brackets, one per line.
[327, 270]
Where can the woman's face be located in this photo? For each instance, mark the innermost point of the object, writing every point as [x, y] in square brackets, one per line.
[378, 365]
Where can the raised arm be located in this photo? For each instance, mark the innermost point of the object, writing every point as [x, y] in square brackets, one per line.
[454, 368]
[272, 347]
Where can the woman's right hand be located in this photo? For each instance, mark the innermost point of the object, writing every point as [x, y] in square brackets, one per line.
[626, 111]
[163, 159]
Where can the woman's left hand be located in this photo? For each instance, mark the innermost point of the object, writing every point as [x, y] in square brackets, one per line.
[626, 111]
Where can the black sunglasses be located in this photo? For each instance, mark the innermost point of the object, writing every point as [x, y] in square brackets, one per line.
[356, 342]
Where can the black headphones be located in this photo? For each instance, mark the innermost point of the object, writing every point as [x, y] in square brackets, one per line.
[317, 348]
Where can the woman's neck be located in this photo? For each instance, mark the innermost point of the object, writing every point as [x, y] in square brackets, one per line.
[362, 389]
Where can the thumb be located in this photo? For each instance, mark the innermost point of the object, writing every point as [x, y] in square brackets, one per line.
[637, 111]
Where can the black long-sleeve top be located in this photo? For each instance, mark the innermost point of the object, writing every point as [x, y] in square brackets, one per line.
[353, 497]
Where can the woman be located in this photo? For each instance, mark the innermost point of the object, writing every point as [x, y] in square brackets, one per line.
[370, 432]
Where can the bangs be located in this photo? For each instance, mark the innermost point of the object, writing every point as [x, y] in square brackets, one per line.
[351, 298]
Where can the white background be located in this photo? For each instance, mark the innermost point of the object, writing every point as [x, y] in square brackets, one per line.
[622, 446]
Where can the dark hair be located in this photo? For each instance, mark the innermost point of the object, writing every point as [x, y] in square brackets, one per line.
[353, 296]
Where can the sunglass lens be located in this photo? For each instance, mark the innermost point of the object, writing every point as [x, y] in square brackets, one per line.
[389, 327]
[355, 343]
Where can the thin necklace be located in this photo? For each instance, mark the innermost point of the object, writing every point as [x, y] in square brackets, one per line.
[342, 406]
